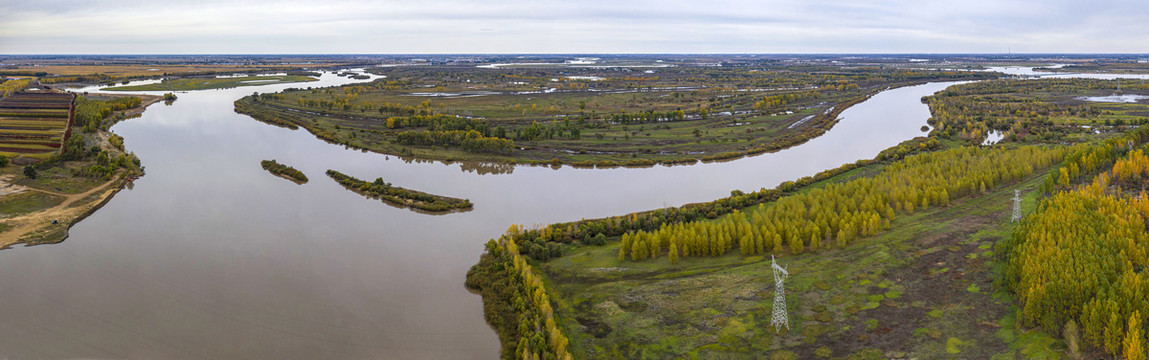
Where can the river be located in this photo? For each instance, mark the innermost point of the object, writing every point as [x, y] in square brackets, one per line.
[208, 256]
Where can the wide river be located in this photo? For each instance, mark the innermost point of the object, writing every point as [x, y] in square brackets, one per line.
[210, 257]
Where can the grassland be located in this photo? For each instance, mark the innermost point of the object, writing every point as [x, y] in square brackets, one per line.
[923, 289]
[928, 287]
[214, 83]
[595, 118]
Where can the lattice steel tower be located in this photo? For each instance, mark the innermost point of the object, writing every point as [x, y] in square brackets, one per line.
[1016, 205]
[780, 318]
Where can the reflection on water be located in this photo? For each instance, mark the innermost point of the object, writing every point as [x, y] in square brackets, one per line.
[209, 257]
[992, 137]
[1030, 71]
[1115, 98]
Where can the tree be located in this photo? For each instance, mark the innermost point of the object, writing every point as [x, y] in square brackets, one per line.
[30, 172]
[796, 245]
[673, 253]
[1134, 346]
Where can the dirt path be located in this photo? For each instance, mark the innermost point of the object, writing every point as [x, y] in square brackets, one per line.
[28, 223]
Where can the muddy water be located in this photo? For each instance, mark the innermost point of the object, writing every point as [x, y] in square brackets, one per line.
[211, 257]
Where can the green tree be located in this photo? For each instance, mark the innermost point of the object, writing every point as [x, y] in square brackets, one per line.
[1134, 343]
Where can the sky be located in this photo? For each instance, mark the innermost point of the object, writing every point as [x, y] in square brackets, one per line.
[571, 26]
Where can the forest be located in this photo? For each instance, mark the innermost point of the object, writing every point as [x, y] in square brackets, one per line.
[1046, 110]
[514, 296]
[1076, 265]
[90, 114]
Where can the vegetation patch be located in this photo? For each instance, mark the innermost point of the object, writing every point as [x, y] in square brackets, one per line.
[284, 171]
[402, 197]
[526, 116]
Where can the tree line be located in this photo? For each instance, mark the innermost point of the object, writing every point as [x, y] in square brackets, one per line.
[468, 140]
[775, 102]
[1084, 161]
[516, 304]
[840, 213]
[540, 242]
[10, 87]
[91, 113]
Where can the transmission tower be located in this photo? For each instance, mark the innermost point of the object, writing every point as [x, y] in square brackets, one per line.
[780, 318]
[1016, 205]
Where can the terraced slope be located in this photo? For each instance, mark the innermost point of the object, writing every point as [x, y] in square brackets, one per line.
[35, 122]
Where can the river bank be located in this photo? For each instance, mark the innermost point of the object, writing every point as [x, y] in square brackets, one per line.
[483, 128]
[82, 177]
[244, 253]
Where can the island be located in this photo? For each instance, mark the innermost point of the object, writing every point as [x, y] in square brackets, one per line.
[284, 171]
[430, 203]
[581, 117]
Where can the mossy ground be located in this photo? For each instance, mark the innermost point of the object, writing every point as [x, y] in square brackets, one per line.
[923, 289]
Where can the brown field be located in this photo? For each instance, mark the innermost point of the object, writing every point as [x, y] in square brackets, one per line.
[125, 71]
[34, 122]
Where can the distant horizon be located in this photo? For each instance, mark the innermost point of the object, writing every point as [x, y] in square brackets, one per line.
[573, 27]
[586, 54]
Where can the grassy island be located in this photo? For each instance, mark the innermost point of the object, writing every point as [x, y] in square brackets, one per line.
[284, 171]
[401, 197]
[602, 118]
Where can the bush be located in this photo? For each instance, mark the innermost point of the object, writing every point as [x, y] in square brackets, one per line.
[3, 161]
[30, 172]
[783, 355]
[823, 352]
[597, 240]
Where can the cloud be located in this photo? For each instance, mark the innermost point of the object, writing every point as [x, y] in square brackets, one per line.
[521, 26]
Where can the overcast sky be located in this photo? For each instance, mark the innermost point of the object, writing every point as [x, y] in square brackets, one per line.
[571, 26]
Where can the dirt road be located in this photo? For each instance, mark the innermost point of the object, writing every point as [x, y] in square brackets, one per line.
[64, 212]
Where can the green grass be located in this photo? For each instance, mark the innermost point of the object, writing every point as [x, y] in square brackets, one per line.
[214, 83]
[670, 141]
[883, 293]
[27, 202]
[56, 179]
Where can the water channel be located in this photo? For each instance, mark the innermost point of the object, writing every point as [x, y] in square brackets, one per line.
[210, 257]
